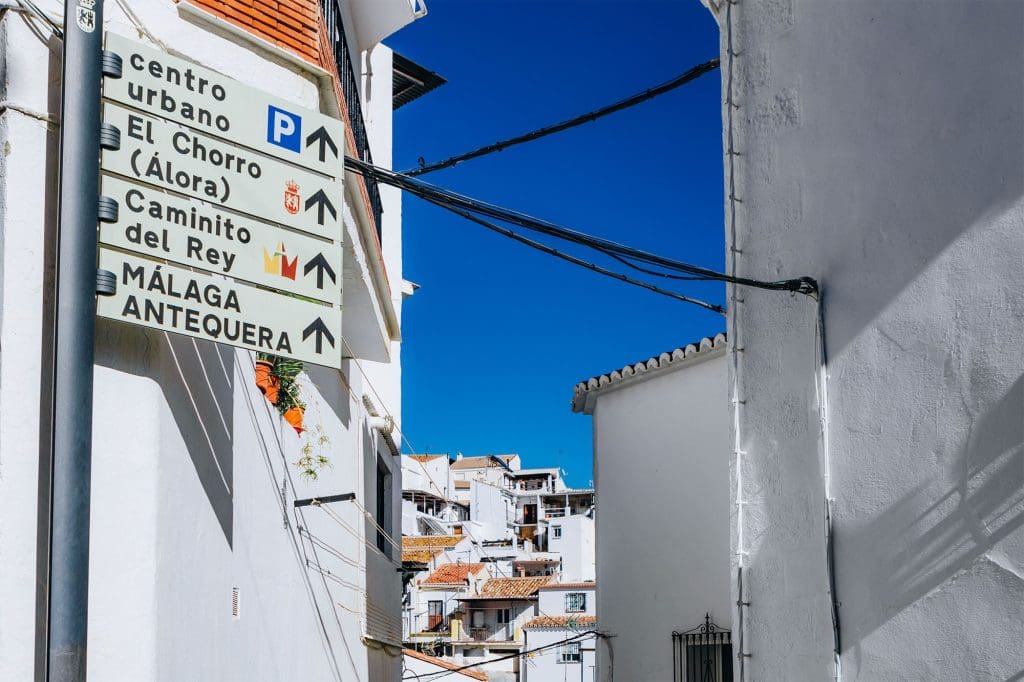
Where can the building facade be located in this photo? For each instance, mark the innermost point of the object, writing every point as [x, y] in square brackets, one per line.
[561, 643]
[661, 462]
[508, 532]
[202, 565]
[878, 465]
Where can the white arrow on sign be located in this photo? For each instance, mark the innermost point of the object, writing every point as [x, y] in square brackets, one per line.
[162, 225]
[173, 88]
[173, 299]
[164, 154]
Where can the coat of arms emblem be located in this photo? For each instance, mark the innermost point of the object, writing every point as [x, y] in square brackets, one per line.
[292, 201]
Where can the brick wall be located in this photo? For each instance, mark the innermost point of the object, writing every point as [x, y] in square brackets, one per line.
[290, 24]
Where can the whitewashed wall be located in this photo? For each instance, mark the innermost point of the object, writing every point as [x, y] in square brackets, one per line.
[545, 666]
[661, 473]
[880, 152]
[189, 460]
[576, 546]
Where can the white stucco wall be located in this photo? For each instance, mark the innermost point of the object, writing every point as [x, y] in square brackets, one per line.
[189, 460]
[880, 152]
[575, 546]
[661, 473]
[545, 666]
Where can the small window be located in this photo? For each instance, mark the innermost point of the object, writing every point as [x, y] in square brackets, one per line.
[575, 602]
[556, 531]
[504, 616]
[570, 653]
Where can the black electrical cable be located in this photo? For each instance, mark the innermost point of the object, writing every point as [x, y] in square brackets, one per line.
[650, 93]
[802, 285]
[579, 261]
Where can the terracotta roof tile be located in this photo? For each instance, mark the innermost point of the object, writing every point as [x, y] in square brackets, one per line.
[564, 622]
[452, 574]
[430, 541]
[483, 462]
[441, 663]
[511, 588]
[417, 556]
[426, 458]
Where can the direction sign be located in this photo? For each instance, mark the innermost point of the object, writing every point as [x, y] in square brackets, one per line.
[164, 154]
[173, 299]
[178, 90]
[162, 225]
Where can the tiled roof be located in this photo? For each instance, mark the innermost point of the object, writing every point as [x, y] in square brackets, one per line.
[418, 556]
[430, 541]
[441, 663]
[483, 462]
[706, 347]
[562, 622]
[452, 574]
[426, 458]
[511, 588]
[572, 586]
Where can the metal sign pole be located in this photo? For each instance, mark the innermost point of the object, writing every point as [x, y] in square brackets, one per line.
[68, 596]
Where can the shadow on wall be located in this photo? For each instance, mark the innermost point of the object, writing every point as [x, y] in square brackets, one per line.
[933, 534]
[932, 154]
[197, 380]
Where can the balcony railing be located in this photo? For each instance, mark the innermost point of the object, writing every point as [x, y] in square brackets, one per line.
[350, 89]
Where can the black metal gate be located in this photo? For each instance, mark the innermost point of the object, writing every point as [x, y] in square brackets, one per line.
[703, 654]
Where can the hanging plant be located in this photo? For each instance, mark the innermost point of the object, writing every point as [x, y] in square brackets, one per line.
[276, 378]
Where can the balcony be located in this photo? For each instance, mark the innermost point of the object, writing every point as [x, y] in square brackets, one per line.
[349, 82]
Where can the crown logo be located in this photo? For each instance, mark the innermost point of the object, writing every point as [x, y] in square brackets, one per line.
[292, 200]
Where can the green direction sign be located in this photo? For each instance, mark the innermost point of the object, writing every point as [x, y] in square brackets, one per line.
[175, 89]
[174, 299]
[162, 225]
[161, 153]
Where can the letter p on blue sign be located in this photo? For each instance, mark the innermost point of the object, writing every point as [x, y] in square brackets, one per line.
[284, 129]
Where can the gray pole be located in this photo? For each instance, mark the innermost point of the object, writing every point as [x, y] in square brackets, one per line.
[68, 597]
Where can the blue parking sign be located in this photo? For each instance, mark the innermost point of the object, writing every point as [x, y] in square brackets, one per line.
[284, 129]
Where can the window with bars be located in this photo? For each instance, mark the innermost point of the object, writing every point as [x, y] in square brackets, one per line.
[570, 652]
[703, 654]
[575, 602]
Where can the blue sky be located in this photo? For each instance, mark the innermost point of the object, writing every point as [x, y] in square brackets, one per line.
[499, 333]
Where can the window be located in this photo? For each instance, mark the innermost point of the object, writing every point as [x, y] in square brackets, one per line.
[575, 602]
[570, 653]
[383, 515]
[556, 531]
[476, 618]
[435, 614]
[504, 616]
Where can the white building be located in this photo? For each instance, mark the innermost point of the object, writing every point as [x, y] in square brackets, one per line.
[524, 529]
[879, 153]
[491, 625]
[560, 640]
[201, 565]
[661, 468]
